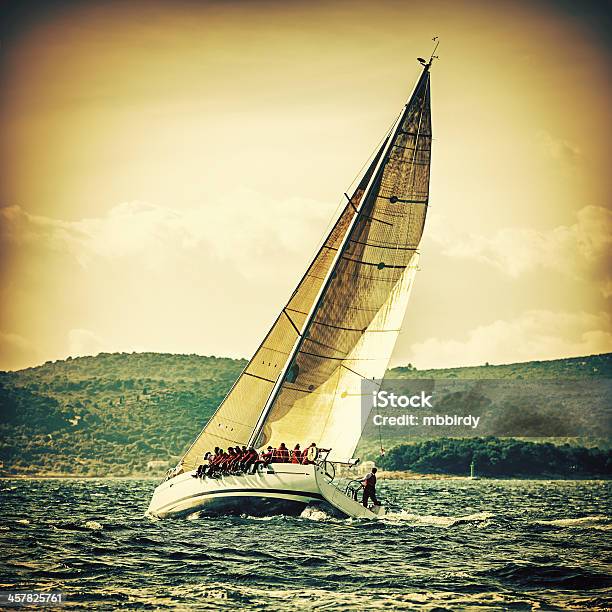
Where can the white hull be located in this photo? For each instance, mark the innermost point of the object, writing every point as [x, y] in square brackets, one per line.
[283, 488]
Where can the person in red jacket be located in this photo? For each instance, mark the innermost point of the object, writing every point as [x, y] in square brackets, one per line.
[305, 460]
[296, 454]
[250, 458]
[234, 463]
[281, 454]
[263, 458]
[227, 459]
[216, 461]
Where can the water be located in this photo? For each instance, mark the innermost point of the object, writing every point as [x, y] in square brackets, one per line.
[447, 544]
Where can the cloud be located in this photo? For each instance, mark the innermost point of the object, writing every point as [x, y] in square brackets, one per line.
[583, 250]
[534, 335]
[558, 148]
[241, 229]
[84, 342]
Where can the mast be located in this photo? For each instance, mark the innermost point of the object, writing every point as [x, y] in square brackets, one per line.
[383, 159]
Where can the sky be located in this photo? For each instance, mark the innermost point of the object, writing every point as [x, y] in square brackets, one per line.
[168, 169]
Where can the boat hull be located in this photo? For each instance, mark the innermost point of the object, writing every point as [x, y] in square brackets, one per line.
[280, 489]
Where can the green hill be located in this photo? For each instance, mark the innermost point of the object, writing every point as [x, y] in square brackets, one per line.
[113, 413]
[109, 414]
[494, 457]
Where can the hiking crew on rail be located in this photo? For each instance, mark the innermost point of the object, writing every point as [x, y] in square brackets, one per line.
[240, 459]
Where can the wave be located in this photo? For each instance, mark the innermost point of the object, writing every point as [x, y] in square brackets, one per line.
[314, 513]
[598, 522]
[437, 521]
[549, 576]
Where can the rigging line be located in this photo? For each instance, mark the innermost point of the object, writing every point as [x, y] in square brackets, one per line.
[379, 220]
[354, 372]
[297, 331]
[350, 201]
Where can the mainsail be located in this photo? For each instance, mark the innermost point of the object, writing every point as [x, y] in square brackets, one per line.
[340, 325]
[354, 325]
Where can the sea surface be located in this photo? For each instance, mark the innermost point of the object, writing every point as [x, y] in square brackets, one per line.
[446, 545]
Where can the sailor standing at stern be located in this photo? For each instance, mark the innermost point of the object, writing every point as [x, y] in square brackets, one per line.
[369, 488]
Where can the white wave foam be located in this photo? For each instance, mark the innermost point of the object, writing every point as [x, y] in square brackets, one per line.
[94, 525]
[600, 522]
[437, 521]
[314, 513]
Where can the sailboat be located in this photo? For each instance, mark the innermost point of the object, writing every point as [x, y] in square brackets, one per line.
[338, 329]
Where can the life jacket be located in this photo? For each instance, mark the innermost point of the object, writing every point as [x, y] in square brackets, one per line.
[296, 456]
[267, 456]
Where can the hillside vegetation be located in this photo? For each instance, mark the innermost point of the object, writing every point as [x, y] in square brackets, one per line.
[495, 457]
[109, 414]
[114, 413]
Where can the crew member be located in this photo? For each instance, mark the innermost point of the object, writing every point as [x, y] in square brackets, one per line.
[281, 454]
[201, 471]
[250, 459]
[215, 462]
[369, 488]
[296, 454]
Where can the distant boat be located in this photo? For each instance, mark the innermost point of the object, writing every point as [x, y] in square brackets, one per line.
[339, 327]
